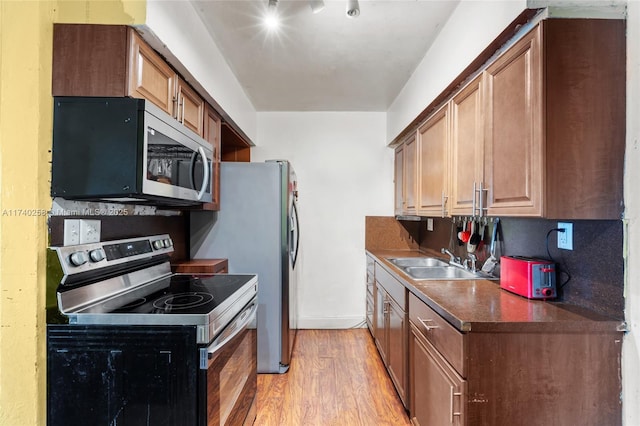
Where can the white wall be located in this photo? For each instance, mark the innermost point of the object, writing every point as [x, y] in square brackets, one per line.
[469, 30]
[631, 345]
[345, 172]
[177, 25]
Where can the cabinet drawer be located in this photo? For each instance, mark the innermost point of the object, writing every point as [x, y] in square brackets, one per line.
[370, 310]
[370, 266]
[371, 282]
[442, 335]
[394, 287]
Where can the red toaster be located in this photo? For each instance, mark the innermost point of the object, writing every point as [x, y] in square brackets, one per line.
[528, 277]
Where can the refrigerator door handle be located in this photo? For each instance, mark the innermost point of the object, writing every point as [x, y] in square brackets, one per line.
[294, 235]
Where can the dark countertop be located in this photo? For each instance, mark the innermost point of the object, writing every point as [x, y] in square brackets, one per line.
[482, 306]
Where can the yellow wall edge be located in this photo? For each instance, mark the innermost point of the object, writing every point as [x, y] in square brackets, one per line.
[26, 109]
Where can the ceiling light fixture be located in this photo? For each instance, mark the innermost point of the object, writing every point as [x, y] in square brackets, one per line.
[271, 17]
[353, 8]
[316, 5]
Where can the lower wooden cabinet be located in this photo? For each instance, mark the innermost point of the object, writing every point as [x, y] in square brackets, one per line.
[529, 374]
[509, 362]
[390, 331]
[438, 393]
[371, 295]
[380, 320]
[396, 340]
[370, 312]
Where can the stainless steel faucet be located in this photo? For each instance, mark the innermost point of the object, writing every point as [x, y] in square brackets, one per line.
[452, 257]
[470, 263]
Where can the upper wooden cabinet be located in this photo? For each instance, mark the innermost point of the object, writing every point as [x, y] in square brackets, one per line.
[150, 77]
[513, 140]
[234, 146]
[113, 60]
[190, 107]
[540, 132]
[406, 174]
[212, 133]
[433, 164]
[398, 180]
[410, 177]
[467, 139]
[555, 114]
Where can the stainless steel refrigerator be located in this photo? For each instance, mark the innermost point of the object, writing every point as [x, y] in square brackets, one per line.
[257, 230]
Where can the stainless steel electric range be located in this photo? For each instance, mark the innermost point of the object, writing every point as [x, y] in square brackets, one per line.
[131, 343]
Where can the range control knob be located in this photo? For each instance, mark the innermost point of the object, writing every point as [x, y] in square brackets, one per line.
[96, 255]
[78, 258]
[158, 244]
[547, 292]
[168, 242]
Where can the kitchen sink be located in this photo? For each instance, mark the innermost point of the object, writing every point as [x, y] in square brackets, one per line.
[439, 273]
[403, 262]
[432, 268]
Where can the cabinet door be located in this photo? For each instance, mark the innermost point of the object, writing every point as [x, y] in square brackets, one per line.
[380, 331]
[150, 77]
[99, 375]
[212, 128]
[513, 136]
[467, 140]
[81, 68]
[438, 394]
[432, 168]
[399, 180]
[397, 360]
[370, 313]
[409, 176]
[190, 108]
[371, 296]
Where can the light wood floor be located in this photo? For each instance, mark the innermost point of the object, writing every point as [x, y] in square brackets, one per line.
[336, 377]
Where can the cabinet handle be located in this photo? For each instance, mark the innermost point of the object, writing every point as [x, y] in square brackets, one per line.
[175, 107]
[453, 413]
[427, 326]
[473, 202]
[444, 203]
[181, 104]
[481, 192]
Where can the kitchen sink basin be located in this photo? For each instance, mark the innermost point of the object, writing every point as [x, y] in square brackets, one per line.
[403, 262]
[439, 273]
[432, 268]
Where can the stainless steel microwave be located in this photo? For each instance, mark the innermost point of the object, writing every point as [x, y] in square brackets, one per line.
[126, 150]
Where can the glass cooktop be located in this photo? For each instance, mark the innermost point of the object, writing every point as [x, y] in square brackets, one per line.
[177, 294]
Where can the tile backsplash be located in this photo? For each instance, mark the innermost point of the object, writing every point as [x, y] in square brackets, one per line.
[595, 264]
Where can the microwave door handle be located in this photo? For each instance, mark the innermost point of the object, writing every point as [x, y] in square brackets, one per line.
[205, 173]
[192, 169]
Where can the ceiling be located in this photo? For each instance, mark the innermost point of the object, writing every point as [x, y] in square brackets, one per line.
[324, 61]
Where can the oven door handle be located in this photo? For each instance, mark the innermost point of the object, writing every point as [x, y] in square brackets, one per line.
[240, 323]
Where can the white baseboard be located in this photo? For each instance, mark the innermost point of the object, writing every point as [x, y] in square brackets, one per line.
[319, 323]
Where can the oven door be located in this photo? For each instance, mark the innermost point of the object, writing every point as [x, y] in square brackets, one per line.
[228, 376]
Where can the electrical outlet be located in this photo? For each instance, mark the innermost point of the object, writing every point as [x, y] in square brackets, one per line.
[429, 224]
[71, 232]
[89, 231]
[565, 239]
